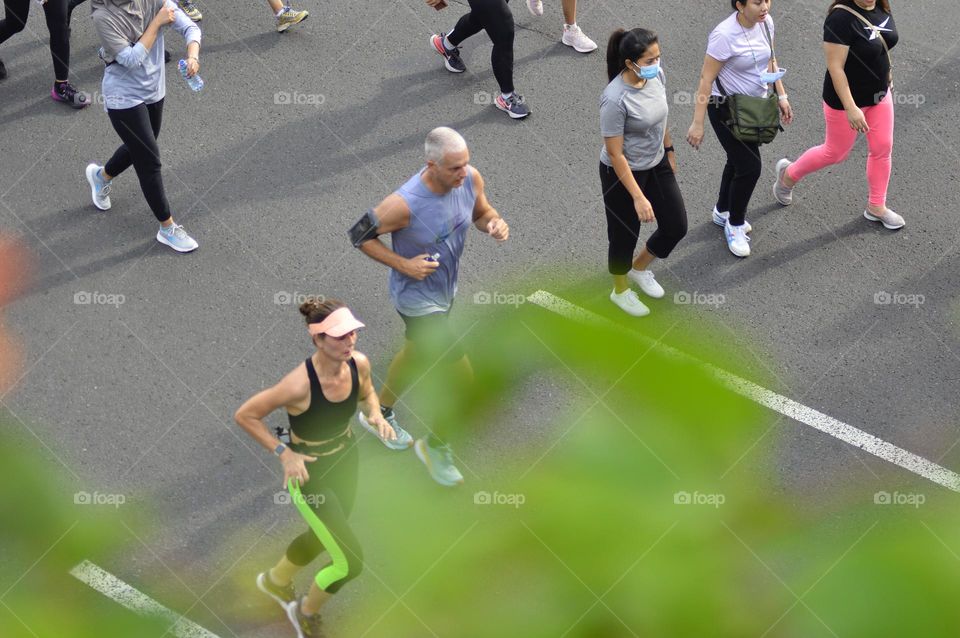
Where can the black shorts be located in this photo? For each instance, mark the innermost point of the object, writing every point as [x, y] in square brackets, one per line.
[432, 337]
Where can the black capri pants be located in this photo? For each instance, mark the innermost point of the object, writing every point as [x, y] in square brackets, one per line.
[15, 19]
[659, 185]
[740, 173]
[139, 128]
[494, 17]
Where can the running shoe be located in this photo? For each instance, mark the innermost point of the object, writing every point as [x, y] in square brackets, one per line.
[629, 302]
[737, 240]
[439, 462]
[451, 57]
[283, 595]
[99, 187]
[305, 626]
[782, 193]
[190, 9]
[720, 219]
[574, 37]
[177, 238]
[403, 440]
[69, 95]
[889, 219]
[648, 284]
[290, 17]
[514, 106]
[3, 71]
[535, 7]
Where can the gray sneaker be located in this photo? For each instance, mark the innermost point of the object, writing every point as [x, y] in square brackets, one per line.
[889, 219]
[439, 462]
[177, 238]
[99, 187]
[781, 193]
[403, 440]
[290, 17]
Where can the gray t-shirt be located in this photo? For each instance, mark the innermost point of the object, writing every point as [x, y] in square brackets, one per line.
[640, 116]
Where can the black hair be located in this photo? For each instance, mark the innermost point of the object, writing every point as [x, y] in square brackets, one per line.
[627, 45]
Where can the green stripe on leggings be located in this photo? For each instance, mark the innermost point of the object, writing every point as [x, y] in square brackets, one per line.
[338, 569]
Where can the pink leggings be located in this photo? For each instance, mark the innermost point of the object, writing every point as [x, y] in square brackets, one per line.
[840, 140]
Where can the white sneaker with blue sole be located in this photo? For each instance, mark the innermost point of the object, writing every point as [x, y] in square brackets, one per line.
[99, 187]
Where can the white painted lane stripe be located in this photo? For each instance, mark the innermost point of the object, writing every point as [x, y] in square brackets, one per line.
[135, 600]
[776, 402]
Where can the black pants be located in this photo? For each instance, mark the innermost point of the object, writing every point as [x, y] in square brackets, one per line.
[494, 17]
[330, 494]
[659, 185]
[56, 13]
[139, 128]
[741, 172]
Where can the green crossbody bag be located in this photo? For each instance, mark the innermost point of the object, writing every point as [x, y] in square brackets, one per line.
[755, 120]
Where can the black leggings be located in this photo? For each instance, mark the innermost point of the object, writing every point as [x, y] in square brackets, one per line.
[741, 172]
[494, 17]
[139, 128]
[330, 494]
[56, 12]
[659, 185]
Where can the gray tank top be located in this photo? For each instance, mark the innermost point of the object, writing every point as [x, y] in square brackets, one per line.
[438, 224]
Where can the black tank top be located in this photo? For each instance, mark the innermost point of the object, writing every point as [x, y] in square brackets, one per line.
[325, 421]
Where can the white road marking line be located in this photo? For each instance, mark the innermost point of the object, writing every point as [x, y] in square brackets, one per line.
[776, 402]
[135, 600]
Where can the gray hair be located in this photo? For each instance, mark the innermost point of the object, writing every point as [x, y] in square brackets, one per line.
[443, 140]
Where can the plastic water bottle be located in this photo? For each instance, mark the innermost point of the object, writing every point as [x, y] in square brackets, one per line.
[196, 83]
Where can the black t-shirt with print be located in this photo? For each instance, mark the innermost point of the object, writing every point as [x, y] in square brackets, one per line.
[867, 66]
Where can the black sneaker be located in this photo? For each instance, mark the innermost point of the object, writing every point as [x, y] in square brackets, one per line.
[69, 95]
[283, 595]
[3, 71]
[514, 106]
[451, 57]
[305, 626]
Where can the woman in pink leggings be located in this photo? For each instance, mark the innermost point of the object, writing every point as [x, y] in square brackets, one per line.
[856, 99]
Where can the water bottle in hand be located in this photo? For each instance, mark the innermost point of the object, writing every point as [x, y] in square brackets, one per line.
[195, 82]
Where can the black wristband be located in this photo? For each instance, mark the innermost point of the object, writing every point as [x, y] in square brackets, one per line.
[668, 149]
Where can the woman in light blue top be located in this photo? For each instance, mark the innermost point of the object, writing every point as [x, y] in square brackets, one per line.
[134, 86]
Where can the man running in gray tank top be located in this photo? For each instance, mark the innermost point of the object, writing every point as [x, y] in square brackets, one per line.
[427, 219]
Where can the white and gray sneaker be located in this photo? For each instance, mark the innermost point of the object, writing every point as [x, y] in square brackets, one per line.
[889, 219]
[737, 240]
[439, 462]
[782, 193]
[535, 7]
[177, 238]
[574, 37]
[628, 302]
[403, 440]
[648, 284]
[721, 219]
[99, 187]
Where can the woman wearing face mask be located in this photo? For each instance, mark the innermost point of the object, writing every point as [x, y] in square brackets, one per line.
[637, 166]
[856, 99]
[738, 58]
[134, 86]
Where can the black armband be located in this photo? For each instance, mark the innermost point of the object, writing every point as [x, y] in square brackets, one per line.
[365, 229]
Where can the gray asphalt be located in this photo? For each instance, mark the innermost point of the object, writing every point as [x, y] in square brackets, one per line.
[137, 398]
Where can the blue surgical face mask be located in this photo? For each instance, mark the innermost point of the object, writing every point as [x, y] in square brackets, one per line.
[769, 77]
[647, 72]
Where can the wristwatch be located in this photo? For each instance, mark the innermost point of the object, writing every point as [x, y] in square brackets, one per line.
[279, 449]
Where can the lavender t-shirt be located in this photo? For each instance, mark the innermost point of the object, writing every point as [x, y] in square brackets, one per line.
[745, 54]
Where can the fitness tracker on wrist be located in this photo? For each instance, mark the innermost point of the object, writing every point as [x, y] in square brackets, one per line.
[279, 449]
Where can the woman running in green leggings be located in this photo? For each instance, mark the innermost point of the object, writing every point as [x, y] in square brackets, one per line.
[320, 396]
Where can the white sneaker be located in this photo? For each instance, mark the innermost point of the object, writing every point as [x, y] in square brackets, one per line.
[629, 303]
[737, 240]
[535, 7]
[99, 187]
[574, 37]
[648, 284]
[889, 219]
[781, 193]
[177, 238]
[721, 219]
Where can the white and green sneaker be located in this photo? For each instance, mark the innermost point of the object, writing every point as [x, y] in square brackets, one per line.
[439, 462]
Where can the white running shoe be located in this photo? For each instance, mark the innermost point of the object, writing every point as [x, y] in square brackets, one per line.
[781, 193]
[889, 219]
[721, 219]
[535, 7]
[574, 37]
[629, 303]
[648, 284]
[737, 240]
[177, 238]
[99, 187]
